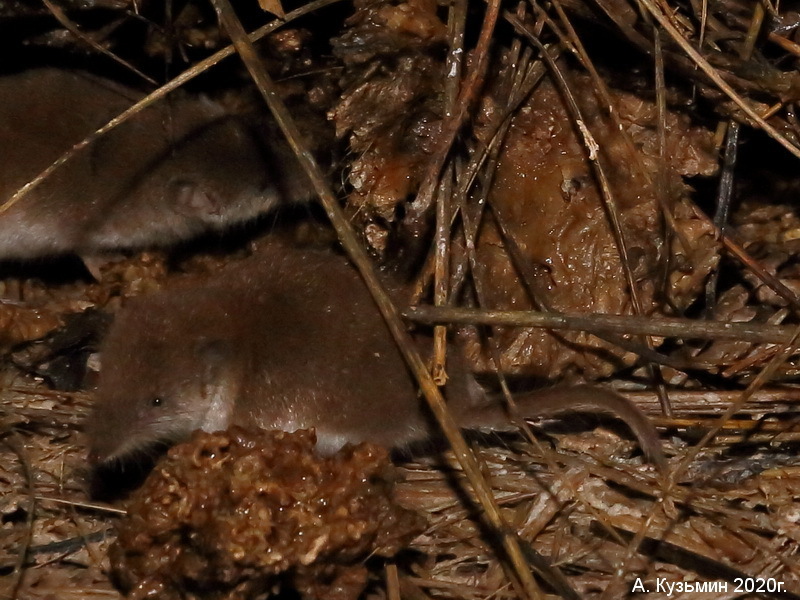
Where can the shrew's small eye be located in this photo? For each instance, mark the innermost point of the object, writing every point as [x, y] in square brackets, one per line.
[157, 401]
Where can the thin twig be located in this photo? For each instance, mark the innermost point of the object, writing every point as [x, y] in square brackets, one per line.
[441, 273]
[613, 112]
[756, 333]
[725, 192]
[697, 402]
[724, 197]
[231, 24]
[106, 508]
[62, 18]
[456, 22]
[452, 125]
[712, 74]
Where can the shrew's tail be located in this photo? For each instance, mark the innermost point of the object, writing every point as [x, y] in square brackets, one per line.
[583, 398]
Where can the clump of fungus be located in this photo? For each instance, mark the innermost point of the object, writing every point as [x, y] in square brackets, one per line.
[239, 514]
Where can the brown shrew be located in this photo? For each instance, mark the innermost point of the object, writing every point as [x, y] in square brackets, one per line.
[288, 339]
[181, 167]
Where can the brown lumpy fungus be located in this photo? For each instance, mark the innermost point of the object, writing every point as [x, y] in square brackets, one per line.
[244, 513]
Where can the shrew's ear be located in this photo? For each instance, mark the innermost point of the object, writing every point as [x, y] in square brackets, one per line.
[219, 385]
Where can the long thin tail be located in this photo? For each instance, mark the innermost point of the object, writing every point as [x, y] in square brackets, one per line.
[582, 398]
